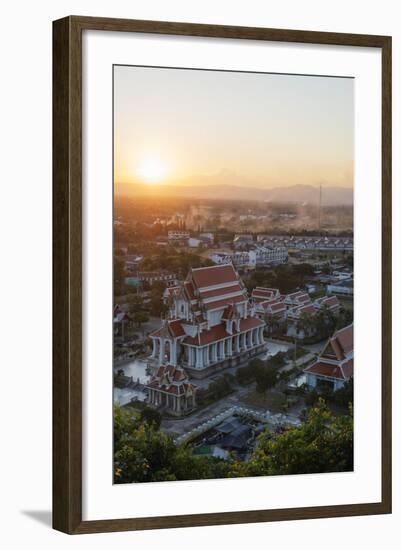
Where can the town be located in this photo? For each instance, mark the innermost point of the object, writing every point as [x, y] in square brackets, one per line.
[220, 336]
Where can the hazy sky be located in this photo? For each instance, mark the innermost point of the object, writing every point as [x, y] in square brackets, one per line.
[183, 126]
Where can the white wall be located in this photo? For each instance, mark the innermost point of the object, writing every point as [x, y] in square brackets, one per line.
[25, 204]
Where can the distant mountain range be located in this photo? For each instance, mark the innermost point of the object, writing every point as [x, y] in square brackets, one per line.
[299, 194]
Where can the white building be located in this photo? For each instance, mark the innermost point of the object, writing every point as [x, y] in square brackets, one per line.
[178, 235]
[343, 287]
[211, 323]
[258, 256]
[194, 243]
[270, 255]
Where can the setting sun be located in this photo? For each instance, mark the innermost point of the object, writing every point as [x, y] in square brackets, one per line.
[151, 170]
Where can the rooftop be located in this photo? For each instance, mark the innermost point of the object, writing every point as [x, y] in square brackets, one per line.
[204, 277]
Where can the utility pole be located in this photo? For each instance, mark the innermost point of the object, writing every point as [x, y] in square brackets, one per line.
[320, 209]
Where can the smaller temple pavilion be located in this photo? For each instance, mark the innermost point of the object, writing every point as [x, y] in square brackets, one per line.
[171, 390]
[335, 364]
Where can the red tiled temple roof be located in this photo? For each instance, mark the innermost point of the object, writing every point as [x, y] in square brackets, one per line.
[325, 369]
[341, 372]
[174, 328]
[221, 291]
[204, 277]
[342, 342]
[219, 332]
[189, 290]
[223, 303]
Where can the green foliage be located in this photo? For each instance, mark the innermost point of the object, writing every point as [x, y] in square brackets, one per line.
[247, 374]
[119, 275]
[266, 378]
[157, 306]
[324, 443]
[216, 390]
[140, 317]
[311, 398]
[143, 454]
[179, 262]
[135, 303]
[287, 278]
[345, 395]
[151, 417]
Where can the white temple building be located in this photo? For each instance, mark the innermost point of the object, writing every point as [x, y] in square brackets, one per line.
[211, 323]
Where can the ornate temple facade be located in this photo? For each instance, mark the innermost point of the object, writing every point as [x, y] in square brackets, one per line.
[211, 323]
[170, 388]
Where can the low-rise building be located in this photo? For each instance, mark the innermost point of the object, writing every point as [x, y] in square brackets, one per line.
[335, 364]
[207, 237]
[194, 243]
[175, 236]
[344, 287]
[242, 240]
[301, 242]
[271, 255]
[151, 277]
[257, 256]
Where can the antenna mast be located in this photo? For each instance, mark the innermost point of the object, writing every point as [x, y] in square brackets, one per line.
[320, 208]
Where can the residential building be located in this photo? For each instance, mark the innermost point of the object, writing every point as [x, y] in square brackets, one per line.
[271, 255]
[344, 287]
[335, 364]
[207, 237]
[242, 240]
[151, 277]
[307, 242]
[257, 256]
[175, 236]
[211, 323]
[194, 243]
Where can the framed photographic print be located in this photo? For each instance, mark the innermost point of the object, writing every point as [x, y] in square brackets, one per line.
[222, 274]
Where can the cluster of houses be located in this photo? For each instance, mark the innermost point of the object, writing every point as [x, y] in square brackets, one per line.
[302, 242]
[296, 310]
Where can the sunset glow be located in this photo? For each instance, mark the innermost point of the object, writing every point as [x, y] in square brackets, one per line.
[151, 170]
[261, 130]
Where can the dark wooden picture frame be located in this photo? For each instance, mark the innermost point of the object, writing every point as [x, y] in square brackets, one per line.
[67, 274]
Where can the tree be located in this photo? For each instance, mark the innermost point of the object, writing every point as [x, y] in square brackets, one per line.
[266, 378]
[324, 443]
[143, 454]
[345, 395]
[157, 305]
[119, 275]
[135, 303]
[151, 417]
[307, 324]
[140, 317]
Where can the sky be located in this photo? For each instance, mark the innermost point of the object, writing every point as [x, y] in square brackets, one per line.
[188, 126]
